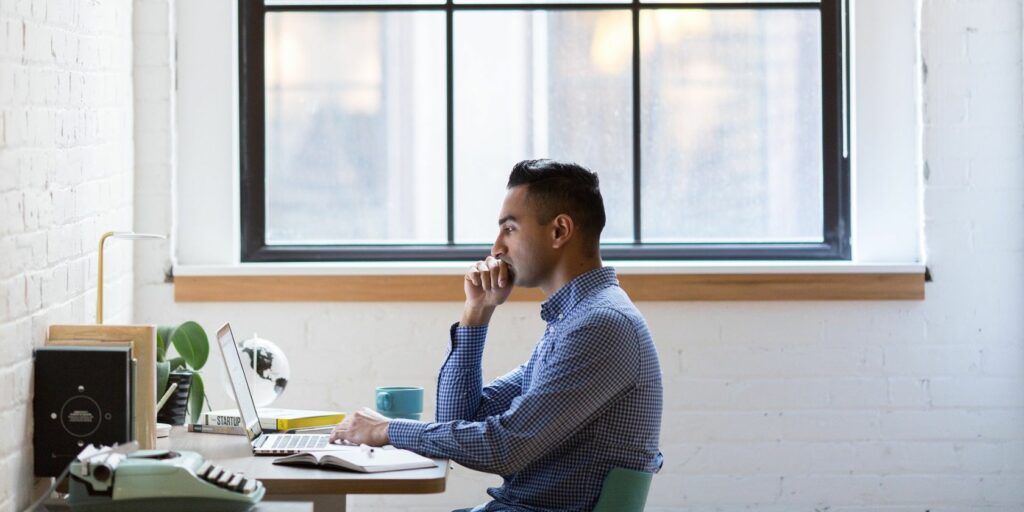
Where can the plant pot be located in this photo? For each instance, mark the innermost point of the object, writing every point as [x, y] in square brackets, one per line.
[175, 410]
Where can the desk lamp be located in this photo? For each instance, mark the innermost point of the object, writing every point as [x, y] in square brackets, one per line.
[122, 235]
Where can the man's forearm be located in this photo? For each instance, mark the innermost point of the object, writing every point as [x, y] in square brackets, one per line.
[476, 316]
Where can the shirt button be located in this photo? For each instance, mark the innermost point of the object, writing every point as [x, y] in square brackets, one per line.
[561, 316]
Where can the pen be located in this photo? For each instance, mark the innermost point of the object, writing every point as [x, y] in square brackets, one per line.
[368, 450]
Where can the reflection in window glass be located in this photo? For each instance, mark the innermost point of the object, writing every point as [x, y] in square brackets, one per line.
[731, 126]
[554, 84]
[355, 128]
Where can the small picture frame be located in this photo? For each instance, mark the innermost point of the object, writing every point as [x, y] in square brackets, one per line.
[142, 339]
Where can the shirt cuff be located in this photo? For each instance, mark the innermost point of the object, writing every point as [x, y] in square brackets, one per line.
[467, 344]
[406, 434]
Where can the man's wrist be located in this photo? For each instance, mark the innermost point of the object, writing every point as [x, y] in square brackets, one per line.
[476, 316]
[382, 433]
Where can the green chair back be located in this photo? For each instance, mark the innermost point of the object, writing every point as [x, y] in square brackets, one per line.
[624, 490]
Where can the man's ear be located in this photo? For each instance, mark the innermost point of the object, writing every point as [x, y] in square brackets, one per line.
[563, 229]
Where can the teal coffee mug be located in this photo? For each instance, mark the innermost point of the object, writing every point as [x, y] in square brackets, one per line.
[404, 402]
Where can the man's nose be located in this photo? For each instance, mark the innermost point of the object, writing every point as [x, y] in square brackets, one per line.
[498, 249]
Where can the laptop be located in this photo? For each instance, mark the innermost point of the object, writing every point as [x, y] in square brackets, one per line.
[263, 443]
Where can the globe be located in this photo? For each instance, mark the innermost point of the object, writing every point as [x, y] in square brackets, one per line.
[266, 369]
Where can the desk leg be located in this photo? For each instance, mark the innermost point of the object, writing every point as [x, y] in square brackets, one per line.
[321, 502]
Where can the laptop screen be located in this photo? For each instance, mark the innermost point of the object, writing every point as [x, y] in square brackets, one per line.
[239, 384]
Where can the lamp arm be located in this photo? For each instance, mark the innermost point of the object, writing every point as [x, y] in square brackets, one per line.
[99, 284]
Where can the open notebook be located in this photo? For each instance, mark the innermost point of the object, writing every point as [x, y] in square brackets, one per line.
[359, 458]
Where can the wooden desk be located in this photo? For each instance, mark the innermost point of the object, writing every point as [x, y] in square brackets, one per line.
[325, 488]
[264, 506]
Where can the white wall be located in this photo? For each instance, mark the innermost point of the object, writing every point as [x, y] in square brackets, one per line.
[156, 135]
[65, 177]
[852, 406]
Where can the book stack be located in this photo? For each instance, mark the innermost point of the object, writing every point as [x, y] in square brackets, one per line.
[271, 419]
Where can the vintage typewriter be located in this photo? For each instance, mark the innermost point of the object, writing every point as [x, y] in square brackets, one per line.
[156, 481]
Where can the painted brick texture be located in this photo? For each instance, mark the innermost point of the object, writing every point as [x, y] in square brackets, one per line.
[65, 177]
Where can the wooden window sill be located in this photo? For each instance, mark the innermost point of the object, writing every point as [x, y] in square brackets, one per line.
[687, 283]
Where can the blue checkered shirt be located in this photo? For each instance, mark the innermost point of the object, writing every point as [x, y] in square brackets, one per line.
[589, 399]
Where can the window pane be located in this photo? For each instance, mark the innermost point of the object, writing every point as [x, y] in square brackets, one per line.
[554, 84]
[350, 2]
[541, 1]
[812, 2]
[355, 128]
[731, 126]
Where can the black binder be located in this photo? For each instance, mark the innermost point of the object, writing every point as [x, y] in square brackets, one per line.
[83, 395]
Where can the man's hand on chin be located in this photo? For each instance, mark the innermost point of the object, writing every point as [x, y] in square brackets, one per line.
[487, 284]
[364, 427]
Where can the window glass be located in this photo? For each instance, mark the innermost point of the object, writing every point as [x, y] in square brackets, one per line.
[355, 124]
[731, 125]
[355, 108]
[553, 84]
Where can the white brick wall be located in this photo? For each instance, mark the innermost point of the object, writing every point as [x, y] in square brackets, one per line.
[848, 406]
[65, 177]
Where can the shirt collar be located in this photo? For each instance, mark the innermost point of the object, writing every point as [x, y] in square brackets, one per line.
[575, 290]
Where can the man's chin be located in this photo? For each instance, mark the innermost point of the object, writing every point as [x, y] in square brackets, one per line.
[521, 282]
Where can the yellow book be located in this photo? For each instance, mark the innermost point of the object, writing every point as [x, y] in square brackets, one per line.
[276, 419]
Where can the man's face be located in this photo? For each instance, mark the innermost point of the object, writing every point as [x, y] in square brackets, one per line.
[523, 243]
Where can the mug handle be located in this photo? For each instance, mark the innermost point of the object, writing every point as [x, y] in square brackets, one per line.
[383, 401]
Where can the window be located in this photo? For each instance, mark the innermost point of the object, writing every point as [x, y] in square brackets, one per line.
[386, 130]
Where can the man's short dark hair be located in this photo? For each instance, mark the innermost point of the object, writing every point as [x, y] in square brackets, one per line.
[558, 187]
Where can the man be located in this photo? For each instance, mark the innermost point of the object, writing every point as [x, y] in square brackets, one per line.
[590, 397]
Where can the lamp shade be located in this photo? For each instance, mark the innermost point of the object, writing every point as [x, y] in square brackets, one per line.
[130, 235]
[121, 235]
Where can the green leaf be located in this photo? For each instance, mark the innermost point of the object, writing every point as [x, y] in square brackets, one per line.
[176, 364]
[163, 369]
[195, 397]
[190, 341]
[163, 333]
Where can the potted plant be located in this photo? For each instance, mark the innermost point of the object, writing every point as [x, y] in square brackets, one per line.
[193, 348]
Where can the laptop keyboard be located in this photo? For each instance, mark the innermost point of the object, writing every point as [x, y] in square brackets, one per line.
[300, 442]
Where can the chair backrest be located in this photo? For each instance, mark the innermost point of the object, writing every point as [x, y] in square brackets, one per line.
[624, 490]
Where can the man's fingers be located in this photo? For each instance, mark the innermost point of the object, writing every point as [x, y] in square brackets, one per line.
[337, 435]
[503, 274]
[489, 274]
[473, 275]
[495, 266]
[484, 274]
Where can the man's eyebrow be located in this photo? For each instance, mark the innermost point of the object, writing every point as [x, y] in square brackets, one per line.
[506, 219]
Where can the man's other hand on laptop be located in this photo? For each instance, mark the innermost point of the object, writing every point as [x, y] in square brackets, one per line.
[364, 427]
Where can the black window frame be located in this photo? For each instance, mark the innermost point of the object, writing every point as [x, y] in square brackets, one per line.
[835, 145]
